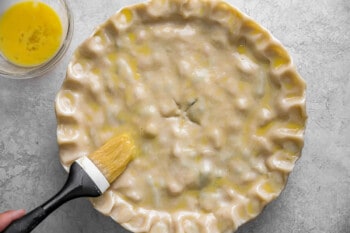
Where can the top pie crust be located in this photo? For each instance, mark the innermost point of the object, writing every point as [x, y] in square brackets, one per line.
[213, 101]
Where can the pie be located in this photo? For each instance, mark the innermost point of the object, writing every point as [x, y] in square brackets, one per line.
[214, 104]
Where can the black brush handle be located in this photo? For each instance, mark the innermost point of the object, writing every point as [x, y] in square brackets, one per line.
[78, 184]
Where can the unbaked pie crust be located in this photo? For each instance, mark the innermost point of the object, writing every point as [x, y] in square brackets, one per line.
[212, 100]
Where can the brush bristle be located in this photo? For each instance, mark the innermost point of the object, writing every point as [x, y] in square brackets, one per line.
[113, 157]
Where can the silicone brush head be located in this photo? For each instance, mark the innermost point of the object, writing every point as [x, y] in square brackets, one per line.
[113, 157]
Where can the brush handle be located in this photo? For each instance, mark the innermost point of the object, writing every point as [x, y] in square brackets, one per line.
[78, 184]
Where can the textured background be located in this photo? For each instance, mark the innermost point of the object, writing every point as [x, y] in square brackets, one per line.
[317, 197]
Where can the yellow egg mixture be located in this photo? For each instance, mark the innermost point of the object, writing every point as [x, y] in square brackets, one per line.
[30, 33]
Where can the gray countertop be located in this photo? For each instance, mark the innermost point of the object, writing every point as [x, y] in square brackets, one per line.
[317, 196]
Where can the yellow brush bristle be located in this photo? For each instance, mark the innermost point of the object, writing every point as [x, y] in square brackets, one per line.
[113, 157]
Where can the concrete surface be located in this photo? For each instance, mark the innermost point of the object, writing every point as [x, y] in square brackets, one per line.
[317, 197]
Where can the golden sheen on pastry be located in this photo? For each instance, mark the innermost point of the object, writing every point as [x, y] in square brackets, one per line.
[212, 100]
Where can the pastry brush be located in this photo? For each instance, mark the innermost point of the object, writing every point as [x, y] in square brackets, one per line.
[88, 177]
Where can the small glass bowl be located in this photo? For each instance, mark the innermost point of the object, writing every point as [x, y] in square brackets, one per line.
[10, 70]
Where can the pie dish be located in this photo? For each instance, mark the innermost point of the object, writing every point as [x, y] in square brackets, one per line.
[213, 101]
